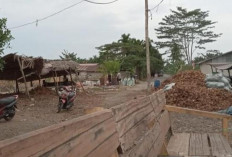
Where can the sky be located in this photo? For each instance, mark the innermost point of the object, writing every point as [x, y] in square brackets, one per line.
[86, 26]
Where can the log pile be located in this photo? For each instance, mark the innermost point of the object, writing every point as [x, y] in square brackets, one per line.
[190, 92]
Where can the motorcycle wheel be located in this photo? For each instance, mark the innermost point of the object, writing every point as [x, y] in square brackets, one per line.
[10, 113]
[60, 106]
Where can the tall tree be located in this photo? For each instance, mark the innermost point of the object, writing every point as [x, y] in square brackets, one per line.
[72, 56]
[189, 29]
[5, 38]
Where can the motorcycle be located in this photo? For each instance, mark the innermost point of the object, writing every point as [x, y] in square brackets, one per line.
[7, 107]
[66, 98]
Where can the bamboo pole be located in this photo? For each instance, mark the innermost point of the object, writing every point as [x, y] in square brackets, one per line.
[21, 69]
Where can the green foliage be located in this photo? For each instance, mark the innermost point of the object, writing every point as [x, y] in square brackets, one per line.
[5, 38]
[110, 67]
[173, 67]
[208, 55]
[131, 54]
[72, 56]
[190, 30]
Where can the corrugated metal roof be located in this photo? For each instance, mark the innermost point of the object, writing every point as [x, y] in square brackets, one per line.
[214, 57]
[221, 66]
[90, 67]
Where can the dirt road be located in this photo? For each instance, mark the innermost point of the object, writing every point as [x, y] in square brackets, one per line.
[40, 113]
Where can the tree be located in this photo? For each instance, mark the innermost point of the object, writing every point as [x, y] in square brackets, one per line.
[5, 38]
[208, 55]
[110, 67]
[190, 30]
[72, 56]
[131, 54]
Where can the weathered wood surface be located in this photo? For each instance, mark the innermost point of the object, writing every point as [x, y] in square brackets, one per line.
[219, 145]
[179, 144]
[136, 118]
[125, 109]
[79, 136]
[196, 144]
[197, 112]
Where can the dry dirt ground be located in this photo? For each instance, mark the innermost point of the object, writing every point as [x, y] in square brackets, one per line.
[41, 112]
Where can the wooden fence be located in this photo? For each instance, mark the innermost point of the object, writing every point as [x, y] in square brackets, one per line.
[135, 129]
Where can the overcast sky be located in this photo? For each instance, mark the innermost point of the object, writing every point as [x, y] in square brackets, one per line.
[82, 28]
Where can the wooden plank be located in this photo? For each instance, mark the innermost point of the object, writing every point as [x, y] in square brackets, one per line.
[137, 132]
[107, 149]
[197, 112]
[128, 108]
[143, 148]
[198, 144]
[164, 122]
[184, 144]
[219, 144]
[179, 144]
[157, 107]
[157, 146]
[174, 145]
[161, 97]
[42, 140]
[226, 145]
[192, 145]
[85, 143]
[126, 124]
[225, 128]
[205, 144]
[214, 148]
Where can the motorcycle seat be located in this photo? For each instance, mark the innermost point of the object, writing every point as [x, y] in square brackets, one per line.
[6, 101]
[71, 95]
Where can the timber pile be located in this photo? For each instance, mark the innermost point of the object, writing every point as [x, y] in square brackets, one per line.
[190, 91]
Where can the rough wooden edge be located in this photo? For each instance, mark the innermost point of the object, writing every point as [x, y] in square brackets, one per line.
[197, 112]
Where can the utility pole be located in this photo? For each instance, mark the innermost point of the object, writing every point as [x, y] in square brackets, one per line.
[147, 47]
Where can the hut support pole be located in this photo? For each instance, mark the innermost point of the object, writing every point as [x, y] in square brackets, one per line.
[21, 69]
[70, 75]
[40, 82]
[54, 73]
[17, 86]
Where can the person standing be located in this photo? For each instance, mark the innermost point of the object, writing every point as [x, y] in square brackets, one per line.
[119, 77]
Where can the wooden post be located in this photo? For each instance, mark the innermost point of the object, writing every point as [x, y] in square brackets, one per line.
[55, 82]
[147, 47]
[225, 128]
[17, 86]
[21, 69]
[40, 82]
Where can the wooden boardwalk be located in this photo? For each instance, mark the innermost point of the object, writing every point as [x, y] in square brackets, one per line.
[207, 144]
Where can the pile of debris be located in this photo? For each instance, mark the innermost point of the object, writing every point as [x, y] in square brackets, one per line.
[190, 91]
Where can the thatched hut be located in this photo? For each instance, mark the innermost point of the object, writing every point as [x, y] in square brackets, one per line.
[25, 69]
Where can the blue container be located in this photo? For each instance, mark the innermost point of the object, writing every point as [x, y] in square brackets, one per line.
[157, 83]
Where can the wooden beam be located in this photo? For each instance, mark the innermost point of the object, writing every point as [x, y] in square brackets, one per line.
[197, 112]
[225, 128]
[24, 78]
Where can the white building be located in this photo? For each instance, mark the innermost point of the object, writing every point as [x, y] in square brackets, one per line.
[222, 63]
